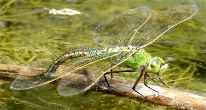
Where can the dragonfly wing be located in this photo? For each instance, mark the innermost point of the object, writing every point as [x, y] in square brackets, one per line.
[120, 30]
[82, 79]
[32, 76]
[160, 22]
[99, 63]
[76, 82]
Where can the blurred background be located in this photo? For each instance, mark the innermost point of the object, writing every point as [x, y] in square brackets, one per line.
[30, 31]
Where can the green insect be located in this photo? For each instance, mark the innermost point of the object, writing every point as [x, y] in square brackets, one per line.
[125, 35]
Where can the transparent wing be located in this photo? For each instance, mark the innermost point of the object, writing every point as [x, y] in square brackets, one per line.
[140, 27]
[30, 75]
[76, 82]
[160, 22]
[120, 30]
[98, 63]
[82, 79]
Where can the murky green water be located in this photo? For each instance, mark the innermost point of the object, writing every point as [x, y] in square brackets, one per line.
[28, 32]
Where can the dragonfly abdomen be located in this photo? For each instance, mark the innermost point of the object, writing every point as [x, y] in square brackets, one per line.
[84, 52]
[69, 55]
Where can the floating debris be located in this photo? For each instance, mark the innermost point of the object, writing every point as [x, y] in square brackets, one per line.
[65, 11]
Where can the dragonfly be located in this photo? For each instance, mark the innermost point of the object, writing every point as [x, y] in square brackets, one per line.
[124, 38]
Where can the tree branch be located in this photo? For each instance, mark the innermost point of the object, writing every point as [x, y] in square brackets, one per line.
[168, 97]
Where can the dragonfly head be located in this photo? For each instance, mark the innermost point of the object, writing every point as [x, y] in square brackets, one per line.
[157, 65]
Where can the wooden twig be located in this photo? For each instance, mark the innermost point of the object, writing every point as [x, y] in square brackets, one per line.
[167, 96]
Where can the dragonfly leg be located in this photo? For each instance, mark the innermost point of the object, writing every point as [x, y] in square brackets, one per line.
[135, 84]
[161, 80]
[153, 80]
[145, 83]
[111, 73]
[106, 78]
[115, 72]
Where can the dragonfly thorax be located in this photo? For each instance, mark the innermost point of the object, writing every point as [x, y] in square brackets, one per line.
[138, 59]
[143, 59]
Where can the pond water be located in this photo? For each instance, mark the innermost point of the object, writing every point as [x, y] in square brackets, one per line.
[28, 32]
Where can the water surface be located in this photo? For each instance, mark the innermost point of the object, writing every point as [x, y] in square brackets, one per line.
[28, 32]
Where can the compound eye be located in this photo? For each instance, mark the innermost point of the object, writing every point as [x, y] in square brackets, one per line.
[154, 63]
[164, 65]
